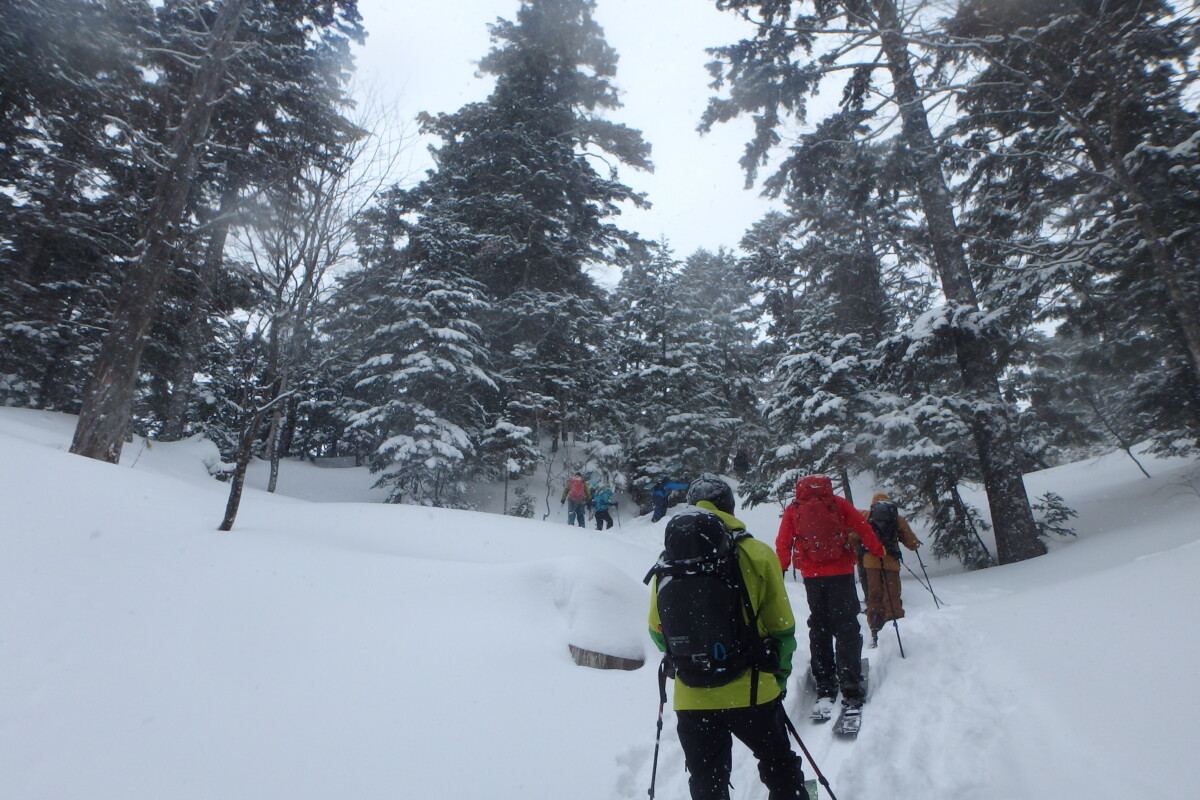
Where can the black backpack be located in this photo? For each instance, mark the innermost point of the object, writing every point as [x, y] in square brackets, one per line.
[707, 618]
[884, 519]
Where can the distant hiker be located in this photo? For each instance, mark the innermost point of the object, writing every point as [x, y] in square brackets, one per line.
[719, 611]
[659, 493]
[818, 534]
[601, 502]
[883, 575]
[578, 496]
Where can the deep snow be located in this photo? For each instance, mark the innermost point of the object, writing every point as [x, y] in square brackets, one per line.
[361, 650]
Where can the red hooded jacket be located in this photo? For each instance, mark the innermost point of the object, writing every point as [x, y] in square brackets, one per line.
[815, 532]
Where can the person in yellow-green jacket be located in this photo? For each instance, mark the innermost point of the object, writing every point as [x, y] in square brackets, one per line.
[724, 688]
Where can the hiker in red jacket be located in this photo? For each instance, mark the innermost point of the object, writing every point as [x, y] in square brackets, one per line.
[819, 533]
[580, 496]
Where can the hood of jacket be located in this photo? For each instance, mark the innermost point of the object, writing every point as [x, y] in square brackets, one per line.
[880, 497]
[732, 523]
[814, 487]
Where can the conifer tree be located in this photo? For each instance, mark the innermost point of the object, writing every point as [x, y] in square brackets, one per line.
[108, 401]
[518, 171]
[1080, 111]
[419, 363]
[69, 68]
[836, 284]
[769, 75]
[687, 364]
[146, 167]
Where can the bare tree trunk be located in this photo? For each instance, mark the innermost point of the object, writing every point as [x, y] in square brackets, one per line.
[995, 441]
[108, 400]
[183, 377]
[276, 434]
[193, 336]
[960, 510]
[1126, 446]
[238, 481]
[844, 479]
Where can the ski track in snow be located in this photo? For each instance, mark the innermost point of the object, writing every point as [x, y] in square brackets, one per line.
[908, 699]
[915, 706]
[928, 691]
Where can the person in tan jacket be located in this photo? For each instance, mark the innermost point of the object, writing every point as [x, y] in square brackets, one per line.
[883, 574]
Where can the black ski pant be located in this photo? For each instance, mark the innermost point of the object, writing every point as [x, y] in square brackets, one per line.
[706, 738]
[834, 635]
[603, 520]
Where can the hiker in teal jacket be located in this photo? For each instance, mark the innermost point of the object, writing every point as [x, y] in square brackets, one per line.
[708, 718]
[601, 502]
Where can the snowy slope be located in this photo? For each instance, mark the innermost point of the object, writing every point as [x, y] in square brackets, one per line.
[360, 650]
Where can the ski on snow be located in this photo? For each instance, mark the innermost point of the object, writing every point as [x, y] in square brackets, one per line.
[850, 720]
[847, 724]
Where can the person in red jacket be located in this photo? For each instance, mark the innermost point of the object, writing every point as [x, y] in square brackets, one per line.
[819, 534]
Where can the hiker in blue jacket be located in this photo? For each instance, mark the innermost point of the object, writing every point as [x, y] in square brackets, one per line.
[601, 502]
[660, 492]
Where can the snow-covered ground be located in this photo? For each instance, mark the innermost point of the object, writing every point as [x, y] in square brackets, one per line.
[330, 649]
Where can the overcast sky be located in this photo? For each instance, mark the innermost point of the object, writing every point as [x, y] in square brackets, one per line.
[421, 56]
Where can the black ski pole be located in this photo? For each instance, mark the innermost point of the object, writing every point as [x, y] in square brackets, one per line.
[887, 590]
[820, 776]
[924, 585]
[662, 701]
[929, 583]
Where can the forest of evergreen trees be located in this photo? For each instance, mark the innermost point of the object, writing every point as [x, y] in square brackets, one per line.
[986, 260]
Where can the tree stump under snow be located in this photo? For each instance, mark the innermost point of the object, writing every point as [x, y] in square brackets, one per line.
[590, 658]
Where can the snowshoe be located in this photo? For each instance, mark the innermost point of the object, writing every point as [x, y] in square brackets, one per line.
[822, 710]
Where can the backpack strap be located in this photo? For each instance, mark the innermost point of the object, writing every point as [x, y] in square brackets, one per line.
[751, 618]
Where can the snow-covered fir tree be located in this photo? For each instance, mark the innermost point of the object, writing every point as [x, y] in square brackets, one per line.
[1084, 111]
[770, 73]
[519, 172]
[421, 368]
[687, 366]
